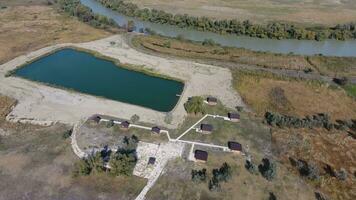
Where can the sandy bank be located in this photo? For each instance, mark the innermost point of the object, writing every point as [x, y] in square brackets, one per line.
[43, 104]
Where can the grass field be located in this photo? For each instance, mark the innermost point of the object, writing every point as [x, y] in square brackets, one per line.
[30, 25]
[336, 149]
[176, 182]
[293, 97]
[37, 163]
[331, 66]
[250, 132]
[260, 11]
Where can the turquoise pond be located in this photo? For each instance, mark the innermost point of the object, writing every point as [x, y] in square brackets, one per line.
[83, 72]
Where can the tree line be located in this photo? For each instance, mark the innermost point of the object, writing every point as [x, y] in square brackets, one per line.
[273, 30]
[85, 14]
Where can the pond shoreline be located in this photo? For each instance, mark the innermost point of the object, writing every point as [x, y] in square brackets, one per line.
[39, 102]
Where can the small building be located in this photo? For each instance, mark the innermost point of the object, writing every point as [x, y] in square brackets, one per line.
[206, 128]
[95, 118]
[151, 160]
[156, 130]
[234, 146]
[212, 100]
[125, 125]
[201, 156]
[234, 117]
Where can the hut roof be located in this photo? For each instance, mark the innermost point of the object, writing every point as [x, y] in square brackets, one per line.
[206, 127]
[156, 129]
[212, 99]
[125, 124]
[201, 155]
[151, 160]
[233, 115]
[234, 146]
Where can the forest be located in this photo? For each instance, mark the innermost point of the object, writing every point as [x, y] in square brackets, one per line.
[273, 30]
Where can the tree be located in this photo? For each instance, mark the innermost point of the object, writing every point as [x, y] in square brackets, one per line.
[130, 26]
[122, 164]
[81, 168]
[135, 118]
[251, 167]
[195, 105]
[268, 169]
[199, 175]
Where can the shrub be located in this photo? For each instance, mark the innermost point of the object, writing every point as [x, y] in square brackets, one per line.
[167, 44]
[309, 170]
[208, 42]
[199, 175]
[135, 118]
[341, 81]
[214, 184]
[67, 134]
[342, 174]
[251, 167]
[195, 105]
[272, 196]
[268, 169]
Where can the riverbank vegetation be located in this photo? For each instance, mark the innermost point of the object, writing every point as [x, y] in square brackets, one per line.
[209, 51]
[86, 15]
[273, 30]
[28, 27]
[267, 92]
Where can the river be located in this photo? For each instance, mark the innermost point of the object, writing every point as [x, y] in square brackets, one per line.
[300, 47]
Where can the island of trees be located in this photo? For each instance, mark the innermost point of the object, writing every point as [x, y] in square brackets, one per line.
[273, 30]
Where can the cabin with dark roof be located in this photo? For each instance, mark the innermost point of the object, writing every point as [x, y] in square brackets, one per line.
[156, 130]
[234, 146]
[234, 117]
[201, 156]
[212, 100]
[125, 125]
[206, 128]
[151, 160]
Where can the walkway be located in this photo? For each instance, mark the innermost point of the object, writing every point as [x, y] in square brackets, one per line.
[163, 152]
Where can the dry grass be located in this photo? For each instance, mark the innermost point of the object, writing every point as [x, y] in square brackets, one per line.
[235, 55]
[176, 182]
[319, 146]
[24, 28]
[305, 98]
[6, 104]
[260, 11]
[330, 66]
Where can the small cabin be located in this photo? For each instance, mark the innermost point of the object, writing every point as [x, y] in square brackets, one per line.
[151, 160]
[206, 128]
[234, 146]
[234, 117]
[125, 125]
[201, 156]
[156, 130]
[212, 100]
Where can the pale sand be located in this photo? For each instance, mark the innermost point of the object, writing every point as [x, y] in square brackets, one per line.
[38, 103]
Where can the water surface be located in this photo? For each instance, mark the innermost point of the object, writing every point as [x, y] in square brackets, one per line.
[86, 73]
[301, 47]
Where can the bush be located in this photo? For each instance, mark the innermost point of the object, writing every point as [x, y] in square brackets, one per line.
[342, 174]
[67, 134]
[309, 170]
[195, 105]
[251, 167]
[272, 196]
[199, 175]
[93, 164]
[208, 42]
[268, 169]
[214, 184]
[135, 118]
[341, 81]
